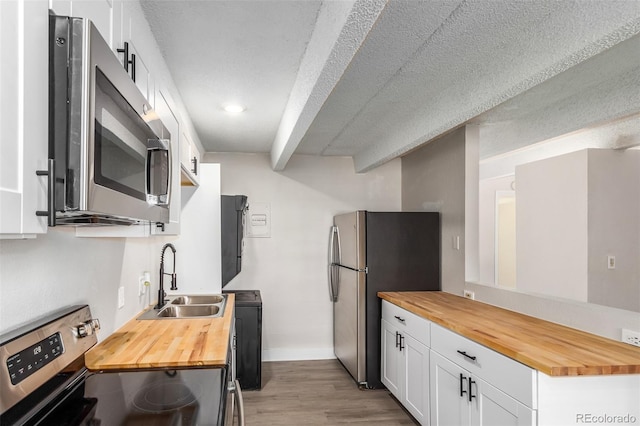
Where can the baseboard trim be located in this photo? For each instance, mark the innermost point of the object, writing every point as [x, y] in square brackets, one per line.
[297, 354]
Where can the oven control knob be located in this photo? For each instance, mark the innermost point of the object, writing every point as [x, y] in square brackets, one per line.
[88, 328]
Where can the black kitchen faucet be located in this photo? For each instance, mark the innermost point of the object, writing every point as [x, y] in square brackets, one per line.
[174, 285]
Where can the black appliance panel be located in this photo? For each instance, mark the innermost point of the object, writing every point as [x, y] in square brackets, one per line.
[403, 254]
[248, 310]
[232, 210]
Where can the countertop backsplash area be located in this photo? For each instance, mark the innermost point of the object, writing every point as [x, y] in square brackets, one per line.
[58, 269]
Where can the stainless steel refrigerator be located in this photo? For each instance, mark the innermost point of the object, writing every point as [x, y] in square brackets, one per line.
[371, 252]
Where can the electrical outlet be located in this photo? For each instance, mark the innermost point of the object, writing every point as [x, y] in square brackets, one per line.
[120, 297]
[469, 294]
[144, 282]
[631, 337]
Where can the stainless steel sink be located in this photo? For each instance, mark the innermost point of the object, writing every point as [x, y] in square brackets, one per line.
[189, 306]
[189, 311]
[197, 300]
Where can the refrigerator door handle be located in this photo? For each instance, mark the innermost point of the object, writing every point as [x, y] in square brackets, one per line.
[334, 271]
[338, 255]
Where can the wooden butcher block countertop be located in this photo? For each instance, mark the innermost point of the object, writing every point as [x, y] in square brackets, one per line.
[165, 343]
[548, 347]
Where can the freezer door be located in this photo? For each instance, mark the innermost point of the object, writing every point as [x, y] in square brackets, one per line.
[349, 326]
[352, 239]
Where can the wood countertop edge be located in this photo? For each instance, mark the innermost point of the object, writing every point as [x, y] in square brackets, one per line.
[94, 361]
[539, 363]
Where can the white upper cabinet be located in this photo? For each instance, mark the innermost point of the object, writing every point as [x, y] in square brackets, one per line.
[189, 161]
[141, 46]
[23, 116]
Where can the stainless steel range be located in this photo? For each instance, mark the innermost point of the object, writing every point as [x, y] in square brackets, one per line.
[43, 381]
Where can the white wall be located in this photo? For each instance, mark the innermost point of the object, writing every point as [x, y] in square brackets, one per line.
[433, 179]
[551, 226]
[198, 247]
[614, 228]
[290, 267]
[575, 210]
[487, 228]
[57, 270]
[597, 319]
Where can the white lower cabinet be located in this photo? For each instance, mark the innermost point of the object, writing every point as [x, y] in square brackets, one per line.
[474, 385]
[405, 359]
[445, 379]
[459, 398]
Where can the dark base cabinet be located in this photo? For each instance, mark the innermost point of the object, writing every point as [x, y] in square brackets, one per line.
[248, 338]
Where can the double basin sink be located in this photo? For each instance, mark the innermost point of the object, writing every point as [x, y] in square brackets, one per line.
[194, 306]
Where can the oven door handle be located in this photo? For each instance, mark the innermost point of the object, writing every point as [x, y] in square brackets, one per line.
[240, 404]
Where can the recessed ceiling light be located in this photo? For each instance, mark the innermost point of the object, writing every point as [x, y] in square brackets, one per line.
[234, 108]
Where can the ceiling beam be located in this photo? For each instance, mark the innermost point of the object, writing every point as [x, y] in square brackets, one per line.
[340, 30]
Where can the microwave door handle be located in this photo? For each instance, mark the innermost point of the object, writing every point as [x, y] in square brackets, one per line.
[158, 145]
[169, 171]
[148, 171]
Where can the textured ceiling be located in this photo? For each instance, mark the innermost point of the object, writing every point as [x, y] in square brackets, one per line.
[245, 52]
[373, 79]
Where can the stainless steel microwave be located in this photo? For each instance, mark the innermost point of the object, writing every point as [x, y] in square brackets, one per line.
[109, 153]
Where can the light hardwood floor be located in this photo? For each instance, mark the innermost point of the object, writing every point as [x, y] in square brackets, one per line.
[318, 393]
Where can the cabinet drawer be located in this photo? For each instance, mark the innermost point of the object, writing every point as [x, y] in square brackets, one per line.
[508, 375]
[410, 323]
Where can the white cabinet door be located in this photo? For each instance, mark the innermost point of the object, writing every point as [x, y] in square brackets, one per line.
[189, 160]
[390, 360]
[459, 398]
[23, 116]
[136, 33]
[142, 76]
[405, 360]
[492, 407]
[448, 381]
[416, 378]
[117, 33]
